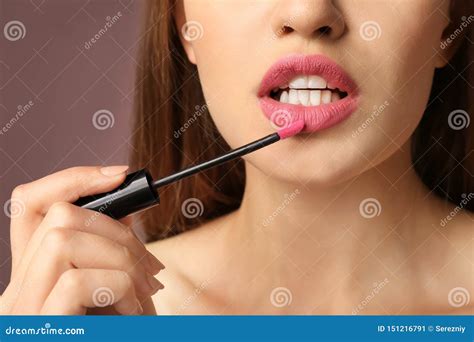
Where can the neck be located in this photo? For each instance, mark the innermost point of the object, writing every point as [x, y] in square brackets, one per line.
[308, 228]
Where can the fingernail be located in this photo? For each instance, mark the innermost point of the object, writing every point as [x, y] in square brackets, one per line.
[154, 283]
[155, 265]
[113, 170]
[139, 308]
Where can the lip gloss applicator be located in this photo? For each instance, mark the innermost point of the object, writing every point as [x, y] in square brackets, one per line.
[139, 191]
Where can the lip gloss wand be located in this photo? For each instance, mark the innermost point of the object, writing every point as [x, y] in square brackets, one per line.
[139, 191]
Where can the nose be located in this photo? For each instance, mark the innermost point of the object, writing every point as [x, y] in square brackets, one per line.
[307, 18]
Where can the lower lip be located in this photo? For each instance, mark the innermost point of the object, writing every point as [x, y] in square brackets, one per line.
[316, 118]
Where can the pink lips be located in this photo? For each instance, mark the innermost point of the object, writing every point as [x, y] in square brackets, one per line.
[315, 118]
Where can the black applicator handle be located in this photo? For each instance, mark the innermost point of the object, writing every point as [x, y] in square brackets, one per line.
[134, 194]
[139, 191]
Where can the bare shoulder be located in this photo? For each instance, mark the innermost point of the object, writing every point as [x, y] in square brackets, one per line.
[188, 258]
[451, 263]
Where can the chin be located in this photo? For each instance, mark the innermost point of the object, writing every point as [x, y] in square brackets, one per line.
[315, 167]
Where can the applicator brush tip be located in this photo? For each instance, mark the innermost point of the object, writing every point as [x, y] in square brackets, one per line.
[291, 130]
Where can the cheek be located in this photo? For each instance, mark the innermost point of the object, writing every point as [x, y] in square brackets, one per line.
[228, 56]
[399, 67]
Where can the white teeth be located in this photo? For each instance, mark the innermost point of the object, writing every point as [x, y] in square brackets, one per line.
[309, 97]
[308, 90]
[303, 96]
[293, 97]
[315, 97]
[326, 96]
[299, 82]
[316, 82]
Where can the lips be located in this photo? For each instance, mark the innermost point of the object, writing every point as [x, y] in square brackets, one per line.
[312, 88]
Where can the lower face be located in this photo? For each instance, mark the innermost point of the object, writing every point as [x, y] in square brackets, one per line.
[361, 91]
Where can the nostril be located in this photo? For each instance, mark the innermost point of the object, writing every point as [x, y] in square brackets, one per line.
[325, 31]
[287, 29]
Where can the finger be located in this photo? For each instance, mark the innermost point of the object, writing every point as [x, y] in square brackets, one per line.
[33, 200]
[69, 216]
[127, 220]
[64, 249]
[70, 184]
[79, 289]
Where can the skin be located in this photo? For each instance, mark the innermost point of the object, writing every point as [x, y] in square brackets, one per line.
[56, 269]
[319, 247]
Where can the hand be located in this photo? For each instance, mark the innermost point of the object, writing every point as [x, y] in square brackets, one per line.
[66, 260]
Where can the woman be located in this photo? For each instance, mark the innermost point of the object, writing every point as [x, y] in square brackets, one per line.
[365, 212]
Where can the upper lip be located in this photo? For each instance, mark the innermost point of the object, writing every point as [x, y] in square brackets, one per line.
[288, 67]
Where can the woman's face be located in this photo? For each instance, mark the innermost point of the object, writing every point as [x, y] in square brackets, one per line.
[386, 52]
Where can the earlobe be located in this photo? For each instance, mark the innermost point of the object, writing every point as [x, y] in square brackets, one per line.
[189, 51]
[448, 46]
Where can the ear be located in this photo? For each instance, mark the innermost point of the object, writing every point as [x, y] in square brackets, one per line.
[450, 41]
[180, 21]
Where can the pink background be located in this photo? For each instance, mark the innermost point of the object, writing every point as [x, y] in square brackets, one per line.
[67, 84]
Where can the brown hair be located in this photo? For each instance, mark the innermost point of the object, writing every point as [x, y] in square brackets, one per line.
[169, 100]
